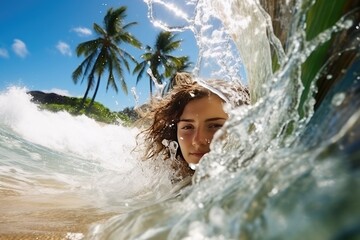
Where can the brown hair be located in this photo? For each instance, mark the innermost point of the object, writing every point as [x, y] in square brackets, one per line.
[164, 114]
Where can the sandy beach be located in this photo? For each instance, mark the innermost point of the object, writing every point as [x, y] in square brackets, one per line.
[28, 217]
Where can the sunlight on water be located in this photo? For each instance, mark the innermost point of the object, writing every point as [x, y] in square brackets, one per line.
[275, 177]
[81, 139]
[59, 168]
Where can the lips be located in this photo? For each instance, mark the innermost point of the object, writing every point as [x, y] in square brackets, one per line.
[199, 155]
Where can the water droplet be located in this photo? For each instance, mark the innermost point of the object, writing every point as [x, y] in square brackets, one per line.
[338, 99]
[173, 146]
[217, 216]
[165, 142]
[193, 166]
[273, 192]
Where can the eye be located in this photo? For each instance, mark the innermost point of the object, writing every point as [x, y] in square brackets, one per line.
[187, 127]
[215, 125]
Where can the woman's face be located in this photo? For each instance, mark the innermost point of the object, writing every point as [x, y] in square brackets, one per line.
[198, 123]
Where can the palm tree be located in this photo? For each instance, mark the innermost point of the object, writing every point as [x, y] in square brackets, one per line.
[103, 54]
[183, 65]
[159, 56]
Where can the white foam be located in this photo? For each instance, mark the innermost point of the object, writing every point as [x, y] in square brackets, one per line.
[119, 172]
[62, 132]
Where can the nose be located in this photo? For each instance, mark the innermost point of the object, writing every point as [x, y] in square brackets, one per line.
[200, 138]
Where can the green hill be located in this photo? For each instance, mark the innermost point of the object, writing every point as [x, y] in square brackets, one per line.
[55, 102]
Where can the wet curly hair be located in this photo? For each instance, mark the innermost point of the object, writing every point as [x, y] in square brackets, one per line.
[164, 114]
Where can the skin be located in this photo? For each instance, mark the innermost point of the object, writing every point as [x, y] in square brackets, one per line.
[198, 123]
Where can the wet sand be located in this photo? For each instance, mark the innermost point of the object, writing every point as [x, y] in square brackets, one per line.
[52, 224]
[29, 217]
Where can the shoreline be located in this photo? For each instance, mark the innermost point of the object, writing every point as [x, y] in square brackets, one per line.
[54, 224]
[47, 217]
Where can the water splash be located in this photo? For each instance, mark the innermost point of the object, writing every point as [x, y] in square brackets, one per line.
[136, 97]
[159, 87]
[272, 173]
[78, 168]
[172, 147]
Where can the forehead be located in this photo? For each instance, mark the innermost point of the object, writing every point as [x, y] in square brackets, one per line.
[207, 106]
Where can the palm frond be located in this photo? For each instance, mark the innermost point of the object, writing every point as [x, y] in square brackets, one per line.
[140, 68]
[116, 64]
[99, 30]
[89, 63]
[114, 19]
[111, 82]
[128, 38]
[171, 46]
[86, 48]
[79, 71]
[128, 25]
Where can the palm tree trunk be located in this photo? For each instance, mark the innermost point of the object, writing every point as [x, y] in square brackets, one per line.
[151, 83]
[84, 98]
[91, 76]
[95, 93]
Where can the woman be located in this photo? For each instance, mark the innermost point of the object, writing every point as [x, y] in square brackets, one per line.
[183, 123]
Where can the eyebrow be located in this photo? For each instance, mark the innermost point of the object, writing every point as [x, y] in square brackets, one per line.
[207, 120]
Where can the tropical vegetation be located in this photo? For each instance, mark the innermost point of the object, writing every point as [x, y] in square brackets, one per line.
[98, 111]
[160, 62]
[103, 54]
[106, 55]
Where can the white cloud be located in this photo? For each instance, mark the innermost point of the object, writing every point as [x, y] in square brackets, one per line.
[19, 47]
[4, 53]
[58, 91]
[64, 48]
[82, 31]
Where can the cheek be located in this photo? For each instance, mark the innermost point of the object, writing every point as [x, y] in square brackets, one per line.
[184, 140]
[180, 138]
[184, 136]
[211, 135]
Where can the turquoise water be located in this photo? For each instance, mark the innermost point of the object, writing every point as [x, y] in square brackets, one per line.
[277, 175]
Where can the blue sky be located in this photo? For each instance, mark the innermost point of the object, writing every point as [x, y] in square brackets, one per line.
[38, 39]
